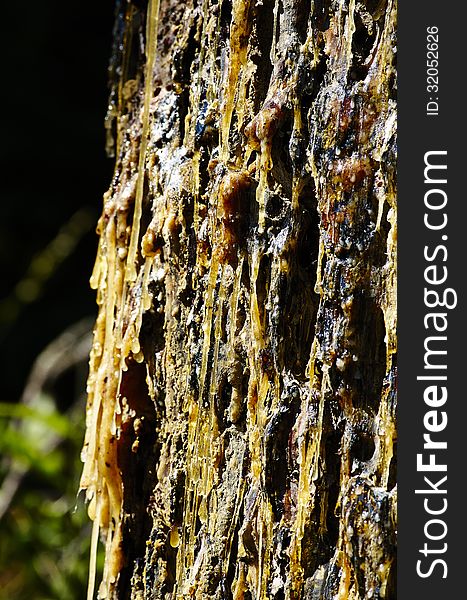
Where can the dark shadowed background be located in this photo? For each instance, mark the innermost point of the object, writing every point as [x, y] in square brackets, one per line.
[54, 171]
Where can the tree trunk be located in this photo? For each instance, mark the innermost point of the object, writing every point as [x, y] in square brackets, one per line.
[241, 416]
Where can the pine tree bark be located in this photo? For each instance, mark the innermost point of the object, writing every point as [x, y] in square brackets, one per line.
[241, 416]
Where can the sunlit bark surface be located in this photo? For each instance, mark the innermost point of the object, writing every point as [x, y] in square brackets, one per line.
[241, 416]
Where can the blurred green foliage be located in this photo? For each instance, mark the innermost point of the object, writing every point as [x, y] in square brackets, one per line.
[45, 532]
[44, 529]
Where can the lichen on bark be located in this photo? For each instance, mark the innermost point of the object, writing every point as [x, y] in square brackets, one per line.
[241, 416]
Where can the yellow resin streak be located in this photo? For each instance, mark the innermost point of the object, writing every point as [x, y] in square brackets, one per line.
[121, 277]
[114, 274]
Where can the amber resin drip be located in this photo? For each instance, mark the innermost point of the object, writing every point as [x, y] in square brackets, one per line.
[241, 416]
[116, 344]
